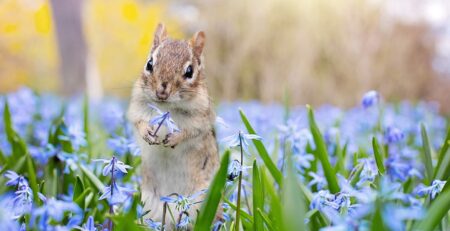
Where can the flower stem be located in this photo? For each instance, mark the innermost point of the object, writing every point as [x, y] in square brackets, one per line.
[160, 124]
[111, 207]
[163, 223]
[238, 205]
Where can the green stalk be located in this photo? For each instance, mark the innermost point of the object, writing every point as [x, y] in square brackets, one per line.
[238, 210]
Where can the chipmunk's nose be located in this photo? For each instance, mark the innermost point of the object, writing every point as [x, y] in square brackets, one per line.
[161, 92]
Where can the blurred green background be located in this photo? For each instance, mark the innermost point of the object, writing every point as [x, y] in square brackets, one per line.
[313, 51]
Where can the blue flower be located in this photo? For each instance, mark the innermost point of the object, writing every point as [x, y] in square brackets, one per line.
[163, 119]
[70, 161]
[7, 221]
[90, 225]
[23, 201]
[121, 145]
[116, 194]
[393, 135]
[56, 210]
[75, 135]
[238, 138]
[154, 225]
[15, 179]
[182, 203]
[118, 165]
[43, 153]
[370, 98]
[184, 222]
[433, 190]
[317, 180]
[235, 168]
[394, 216]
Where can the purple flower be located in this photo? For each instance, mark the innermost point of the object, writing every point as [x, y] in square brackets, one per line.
[75, 135]
[116, 194]
[235, 168]
[90, 225]
[119, 166]
[15, 179]
[317, 180]
[163, 119]
[433, 190]
[393, 135]
[370, 98]
[240, 137]
[182, 203]
[121, 145]
[184, 222]
[154, 225]
[55, 210]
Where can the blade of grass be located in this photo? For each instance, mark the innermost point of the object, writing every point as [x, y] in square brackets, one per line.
[437, 211]
[442, 167]
[32, 178]
[426, 154]
[322, 153]
[212, 200]
[258, 198]
[92, 178]
[379, 155]
[262, 151]
[244, 214]
[293, 206]
[266, 220]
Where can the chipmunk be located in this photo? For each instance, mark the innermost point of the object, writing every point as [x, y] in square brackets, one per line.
[182, 162]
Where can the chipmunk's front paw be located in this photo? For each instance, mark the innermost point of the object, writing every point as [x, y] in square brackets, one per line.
[150, 139]
[173, 139]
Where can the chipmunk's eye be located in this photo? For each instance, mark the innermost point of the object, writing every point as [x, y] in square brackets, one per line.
[149, 66]
[188, 73]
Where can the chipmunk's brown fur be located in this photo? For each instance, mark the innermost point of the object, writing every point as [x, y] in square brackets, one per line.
[183, 162]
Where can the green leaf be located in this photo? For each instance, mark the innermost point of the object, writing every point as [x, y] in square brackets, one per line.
[379, 155]
[258, 198]
[426, 154]
[78, 189]
[244, 214]
[442, 169]
[92, 178]
[81, 198]
[293, 206]
[32, 177]
[212, 200]
[2, 158]
[86, 125]
[262, 151]
[18, 146]
[322, 153]
[266, 220]
[437, 211]
[377, 218]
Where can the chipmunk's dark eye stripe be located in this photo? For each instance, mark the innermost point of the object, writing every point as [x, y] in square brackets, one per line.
[188, 73]
[149, 66]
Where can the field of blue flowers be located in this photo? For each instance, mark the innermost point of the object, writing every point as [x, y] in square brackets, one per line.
[71, 164]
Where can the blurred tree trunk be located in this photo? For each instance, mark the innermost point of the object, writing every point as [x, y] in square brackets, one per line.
[71, 45]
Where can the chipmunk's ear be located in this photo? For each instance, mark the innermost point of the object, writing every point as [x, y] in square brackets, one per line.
[160, 35]
[197, 43]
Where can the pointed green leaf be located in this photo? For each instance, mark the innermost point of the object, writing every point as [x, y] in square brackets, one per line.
[262, 151]
[379, 155]
[426, 154]
[92, 178]
[293, 207]
[258, 198]
[442, 169]
[322, 153]
[212, 200]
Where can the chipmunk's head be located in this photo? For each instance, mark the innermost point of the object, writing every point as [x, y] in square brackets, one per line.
[174, 68]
